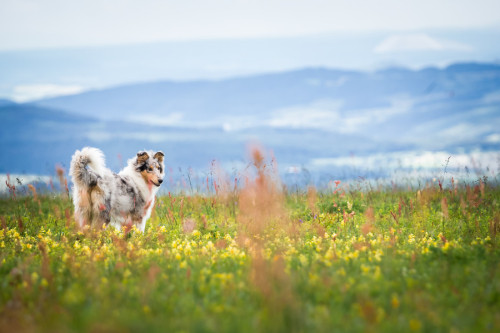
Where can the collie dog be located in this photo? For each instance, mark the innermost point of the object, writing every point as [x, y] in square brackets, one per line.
[102, 197]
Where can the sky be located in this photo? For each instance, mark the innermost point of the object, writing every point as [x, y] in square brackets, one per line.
[28, 24]
[58, 47]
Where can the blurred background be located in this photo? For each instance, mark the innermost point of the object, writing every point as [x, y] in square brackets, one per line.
[335, 89]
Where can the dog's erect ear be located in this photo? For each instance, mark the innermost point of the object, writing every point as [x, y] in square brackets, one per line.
[159, 156]
[142, 157]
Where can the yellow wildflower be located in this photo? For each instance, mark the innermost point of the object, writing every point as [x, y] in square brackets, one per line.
[127, 273]
[411, 238]
[395, 301]
[303, 260]
[415, 325]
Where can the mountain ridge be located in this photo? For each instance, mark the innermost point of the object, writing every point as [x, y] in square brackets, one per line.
[302, 115]
[276, 90]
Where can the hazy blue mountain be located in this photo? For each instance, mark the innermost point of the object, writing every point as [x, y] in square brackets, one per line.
[302, 115]
[390, 104]
[35, 140]
[200, 101]
[4, 102]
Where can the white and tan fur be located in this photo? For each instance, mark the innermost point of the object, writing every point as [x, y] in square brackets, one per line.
[124, 199]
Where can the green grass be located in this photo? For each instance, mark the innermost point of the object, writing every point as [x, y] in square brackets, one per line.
[259, 260]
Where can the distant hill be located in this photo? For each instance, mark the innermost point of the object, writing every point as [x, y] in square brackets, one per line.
[232, 100]
[35, 139]
[302, 115]
[4, 102]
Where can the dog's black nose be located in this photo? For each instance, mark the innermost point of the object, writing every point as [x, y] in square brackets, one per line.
[160, 181]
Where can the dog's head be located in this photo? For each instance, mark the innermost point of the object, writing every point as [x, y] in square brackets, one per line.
[151, 166]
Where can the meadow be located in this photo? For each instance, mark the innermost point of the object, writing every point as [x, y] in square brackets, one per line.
[252, 256]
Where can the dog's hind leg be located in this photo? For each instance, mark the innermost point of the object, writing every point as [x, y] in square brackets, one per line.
[86, 170]
[101, 207]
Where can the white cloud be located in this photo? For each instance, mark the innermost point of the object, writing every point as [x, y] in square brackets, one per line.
[493, 97]
[25, 93]
[411, 159]
[305, 118]
[493, 138]
[154, 136]
[326, 115]
[463, 131]
[24, 179]
[327, 83]
[417, 42]
[320, 114]
[172, 119]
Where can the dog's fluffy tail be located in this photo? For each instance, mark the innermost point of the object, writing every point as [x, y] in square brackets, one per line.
[80, 174]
